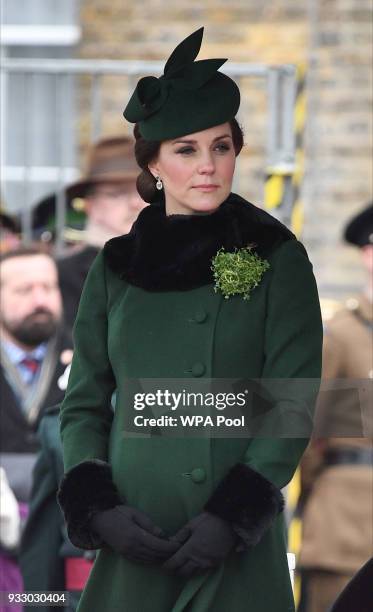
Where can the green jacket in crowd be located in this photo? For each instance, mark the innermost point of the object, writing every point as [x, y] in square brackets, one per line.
[45, 545]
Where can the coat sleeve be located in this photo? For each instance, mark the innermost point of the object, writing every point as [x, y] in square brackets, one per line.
[86, 415]
[249, 496]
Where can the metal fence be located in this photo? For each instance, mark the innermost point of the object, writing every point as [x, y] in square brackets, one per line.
[279, 80]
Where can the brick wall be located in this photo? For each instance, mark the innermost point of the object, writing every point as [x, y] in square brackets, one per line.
[332, 36]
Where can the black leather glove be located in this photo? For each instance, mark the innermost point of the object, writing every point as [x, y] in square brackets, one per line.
[131, 533]
[207, 538]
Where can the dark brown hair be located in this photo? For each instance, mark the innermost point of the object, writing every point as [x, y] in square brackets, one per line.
[147, 150]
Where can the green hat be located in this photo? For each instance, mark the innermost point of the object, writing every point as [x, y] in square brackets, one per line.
[189, 97]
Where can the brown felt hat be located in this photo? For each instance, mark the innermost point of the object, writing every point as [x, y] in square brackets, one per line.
[111, 160]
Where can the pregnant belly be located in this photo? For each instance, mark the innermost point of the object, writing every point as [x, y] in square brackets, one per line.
[168, 478]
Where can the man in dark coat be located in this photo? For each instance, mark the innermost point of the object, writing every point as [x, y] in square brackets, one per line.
[35, 349]
[34, 354]
[105, 201]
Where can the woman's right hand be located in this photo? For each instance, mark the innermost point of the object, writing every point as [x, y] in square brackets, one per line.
[131, 533]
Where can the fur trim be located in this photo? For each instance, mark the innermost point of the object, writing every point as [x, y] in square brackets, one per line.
[173, 252]
[248, 500]
[86, 489]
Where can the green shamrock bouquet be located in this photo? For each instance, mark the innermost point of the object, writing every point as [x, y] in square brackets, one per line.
[238, 272]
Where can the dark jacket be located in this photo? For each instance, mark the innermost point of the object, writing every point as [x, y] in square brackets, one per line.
[72, 271]
[18, 432]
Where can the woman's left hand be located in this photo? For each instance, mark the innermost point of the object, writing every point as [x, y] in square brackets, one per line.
[207, 539]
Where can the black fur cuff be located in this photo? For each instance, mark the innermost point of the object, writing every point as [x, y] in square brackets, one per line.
[248, 501]
[86, 489]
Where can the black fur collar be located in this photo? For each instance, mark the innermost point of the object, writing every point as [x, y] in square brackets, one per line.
[167, 253]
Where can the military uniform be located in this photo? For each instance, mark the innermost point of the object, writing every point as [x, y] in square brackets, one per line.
[338, 474]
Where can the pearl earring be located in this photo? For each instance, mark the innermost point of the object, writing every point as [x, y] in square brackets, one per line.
[159, 184]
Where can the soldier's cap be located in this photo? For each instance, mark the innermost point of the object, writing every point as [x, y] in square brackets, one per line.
[359, 230]
[111, 160]
[189, 97]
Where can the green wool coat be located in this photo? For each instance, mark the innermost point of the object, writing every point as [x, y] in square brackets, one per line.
[124, 332]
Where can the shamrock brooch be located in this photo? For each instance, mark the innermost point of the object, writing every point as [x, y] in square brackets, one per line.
[238, 272]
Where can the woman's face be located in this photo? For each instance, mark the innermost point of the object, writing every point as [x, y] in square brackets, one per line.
[196, 170]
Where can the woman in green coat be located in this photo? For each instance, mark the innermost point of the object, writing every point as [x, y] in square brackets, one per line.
[206, 286]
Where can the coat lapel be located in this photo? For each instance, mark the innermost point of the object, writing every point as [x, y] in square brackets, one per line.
[31, 401]
[35, 400]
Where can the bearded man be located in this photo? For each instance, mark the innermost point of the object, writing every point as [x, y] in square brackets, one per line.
[35, 351]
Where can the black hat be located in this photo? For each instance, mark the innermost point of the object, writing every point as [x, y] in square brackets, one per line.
[189, 97]
[359, 230]
[9, 222]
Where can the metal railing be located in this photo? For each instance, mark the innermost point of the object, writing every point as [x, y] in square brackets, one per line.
[280, 90]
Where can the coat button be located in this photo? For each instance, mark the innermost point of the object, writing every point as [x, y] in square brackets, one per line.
[198, 369]
[200, 316]
[198, 475]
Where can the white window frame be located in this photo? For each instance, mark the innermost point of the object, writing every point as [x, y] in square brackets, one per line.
[13, 35]
[40, 35]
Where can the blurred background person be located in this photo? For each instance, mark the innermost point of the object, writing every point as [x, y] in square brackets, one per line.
[104, 202]
[48, 560]
[10, 237]
[34, 351]
[337, 467]
[358, 594]
[9, 516]
[10, 529]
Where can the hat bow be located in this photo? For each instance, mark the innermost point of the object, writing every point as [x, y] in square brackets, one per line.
[181, 73]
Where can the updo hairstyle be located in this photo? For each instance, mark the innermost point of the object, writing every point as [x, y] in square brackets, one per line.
[147, 150]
